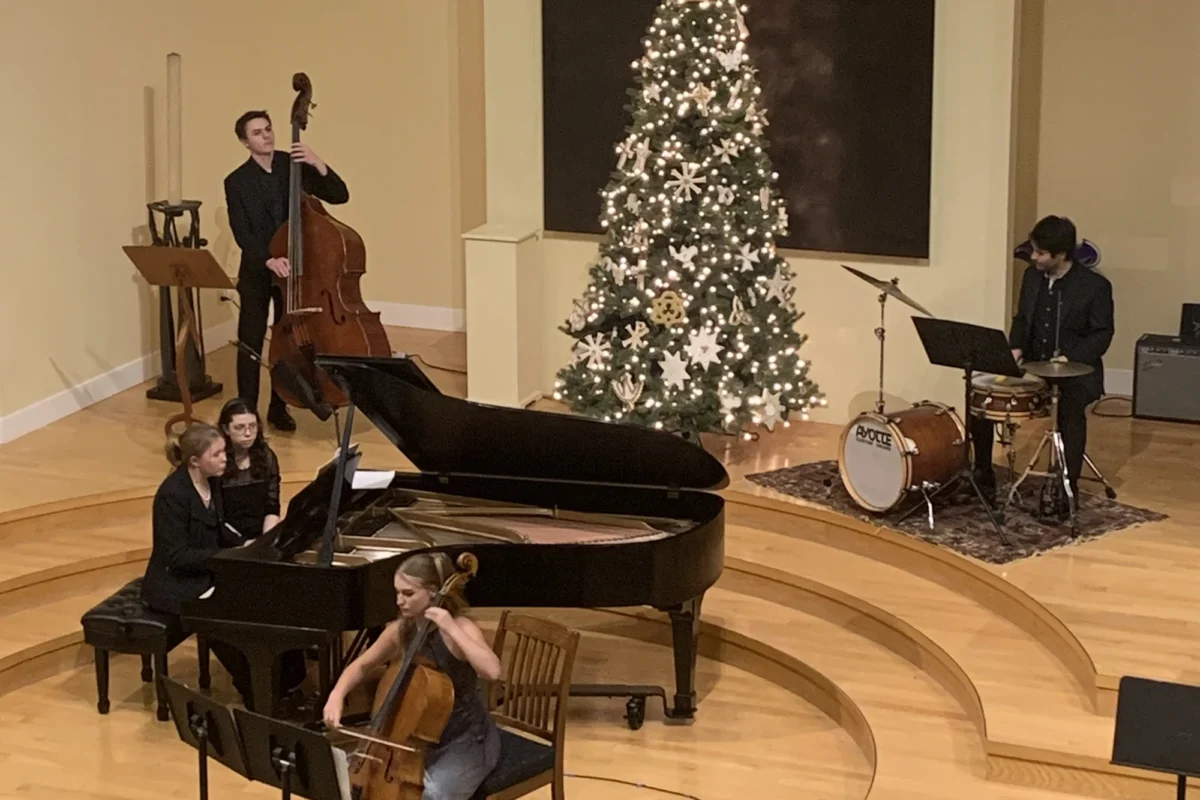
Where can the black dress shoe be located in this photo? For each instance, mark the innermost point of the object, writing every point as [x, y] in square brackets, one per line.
[280, 419]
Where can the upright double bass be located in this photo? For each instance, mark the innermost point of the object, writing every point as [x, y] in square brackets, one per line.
[324, 313]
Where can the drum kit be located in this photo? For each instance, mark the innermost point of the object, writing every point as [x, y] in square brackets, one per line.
[918, 452]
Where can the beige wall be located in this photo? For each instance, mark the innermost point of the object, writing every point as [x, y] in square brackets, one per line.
[966, 277]
[399, 111]
[1119, 150]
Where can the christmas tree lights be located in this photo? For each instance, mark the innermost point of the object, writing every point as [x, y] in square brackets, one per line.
[688, 321]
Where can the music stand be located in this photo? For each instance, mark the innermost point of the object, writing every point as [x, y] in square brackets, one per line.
[187, 268]
[1157, 728]
[971, 348]
[293, 759]
[207, 726]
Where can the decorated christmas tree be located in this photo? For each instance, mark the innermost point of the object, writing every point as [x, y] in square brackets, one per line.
[688, 321]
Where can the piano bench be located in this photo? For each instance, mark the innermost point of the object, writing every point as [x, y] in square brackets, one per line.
[123, 624]
[524, 766]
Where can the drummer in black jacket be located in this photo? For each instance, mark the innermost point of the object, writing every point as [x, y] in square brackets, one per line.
[1057, 294]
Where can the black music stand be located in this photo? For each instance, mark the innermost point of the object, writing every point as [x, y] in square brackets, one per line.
[207, 726]
[971, 348]
[1158, 728]
[294, 759]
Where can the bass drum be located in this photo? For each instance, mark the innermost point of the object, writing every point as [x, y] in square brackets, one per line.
[884, 457]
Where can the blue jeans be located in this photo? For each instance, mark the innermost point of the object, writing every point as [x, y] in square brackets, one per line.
[455, 770]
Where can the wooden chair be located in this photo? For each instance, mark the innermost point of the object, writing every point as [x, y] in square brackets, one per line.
[530, 698]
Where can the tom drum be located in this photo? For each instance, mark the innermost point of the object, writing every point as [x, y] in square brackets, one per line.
[885, 457]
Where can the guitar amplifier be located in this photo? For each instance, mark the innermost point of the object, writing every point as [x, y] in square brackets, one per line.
[1166, 378]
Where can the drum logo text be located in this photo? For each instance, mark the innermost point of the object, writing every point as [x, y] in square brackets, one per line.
[881, 439]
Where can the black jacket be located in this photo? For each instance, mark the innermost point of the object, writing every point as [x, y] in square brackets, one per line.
[186, 536]
[1086, 327]
[258, 204]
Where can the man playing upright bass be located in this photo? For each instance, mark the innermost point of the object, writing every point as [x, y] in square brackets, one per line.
[257, 195]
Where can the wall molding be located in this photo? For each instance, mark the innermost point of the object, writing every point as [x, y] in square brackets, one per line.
[430, 318]
[91, 391]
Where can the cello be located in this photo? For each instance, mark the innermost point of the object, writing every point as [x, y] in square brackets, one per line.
[411, 707]
[324, 313]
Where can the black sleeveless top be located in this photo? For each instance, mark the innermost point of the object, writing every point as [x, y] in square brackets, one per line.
[470, 715]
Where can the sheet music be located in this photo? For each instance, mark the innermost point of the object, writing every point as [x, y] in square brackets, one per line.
[372, 479]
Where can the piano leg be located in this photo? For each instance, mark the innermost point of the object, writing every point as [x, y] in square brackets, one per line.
[685, 635]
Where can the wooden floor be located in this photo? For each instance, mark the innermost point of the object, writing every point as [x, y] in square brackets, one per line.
[840, 660]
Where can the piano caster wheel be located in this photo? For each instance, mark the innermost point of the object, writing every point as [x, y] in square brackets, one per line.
[635, 712]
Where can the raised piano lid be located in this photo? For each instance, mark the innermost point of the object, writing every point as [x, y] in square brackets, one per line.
[447, 436]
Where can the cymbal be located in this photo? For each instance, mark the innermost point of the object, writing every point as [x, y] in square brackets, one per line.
[887, 287]
[1056, 369]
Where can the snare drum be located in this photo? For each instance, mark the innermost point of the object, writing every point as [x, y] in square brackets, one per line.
[1000, 398]
[885, 457]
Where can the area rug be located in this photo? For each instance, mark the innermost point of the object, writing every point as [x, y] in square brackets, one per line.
[959, 520]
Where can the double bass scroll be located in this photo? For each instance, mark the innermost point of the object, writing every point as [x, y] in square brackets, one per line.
[324, 312]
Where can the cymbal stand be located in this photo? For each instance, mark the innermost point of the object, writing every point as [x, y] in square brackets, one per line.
[1056, 469]
[881, 335]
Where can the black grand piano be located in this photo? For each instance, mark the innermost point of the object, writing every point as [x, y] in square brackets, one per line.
[559, 510]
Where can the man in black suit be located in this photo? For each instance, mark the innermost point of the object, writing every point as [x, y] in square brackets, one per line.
[257, 195]
[1054, 288]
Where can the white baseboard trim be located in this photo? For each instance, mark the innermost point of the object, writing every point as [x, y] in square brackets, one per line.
[68, 401]
[1118, 381]
[431, 318]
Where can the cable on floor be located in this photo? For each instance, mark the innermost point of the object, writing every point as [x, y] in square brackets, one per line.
[636, 784]
[1106, 398]
[426, 362]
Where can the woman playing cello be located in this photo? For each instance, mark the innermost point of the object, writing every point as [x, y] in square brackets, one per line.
[470, 743]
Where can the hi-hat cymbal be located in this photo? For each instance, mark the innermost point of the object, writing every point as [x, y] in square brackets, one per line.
[887, 287]
[1056, 369]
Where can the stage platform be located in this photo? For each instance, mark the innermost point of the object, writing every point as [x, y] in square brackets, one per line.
[841, 658]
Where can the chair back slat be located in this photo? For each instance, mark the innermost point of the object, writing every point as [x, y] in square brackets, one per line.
[536, 657]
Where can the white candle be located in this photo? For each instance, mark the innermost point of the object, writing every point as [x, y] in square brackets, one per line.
[174, 131]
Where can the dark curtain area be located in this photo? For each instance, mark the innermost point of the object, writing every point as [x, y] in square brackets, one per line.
[848, 88]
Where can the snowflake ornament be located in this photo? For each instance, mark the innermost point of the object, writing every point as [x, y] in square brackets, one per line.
[686, 182]
[594, 349]
[748, 256]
